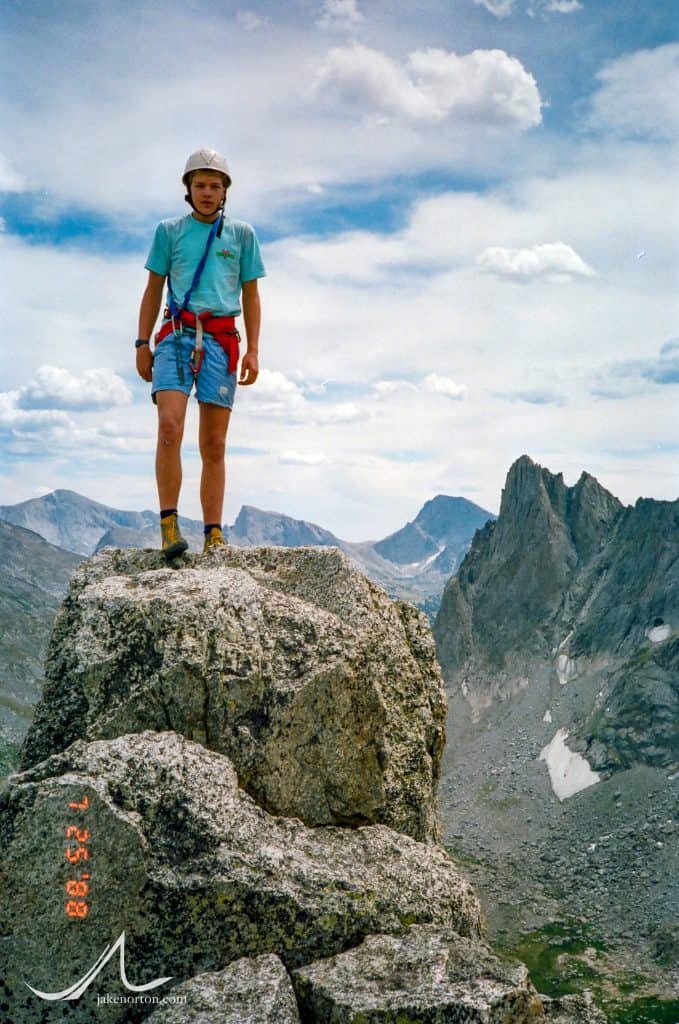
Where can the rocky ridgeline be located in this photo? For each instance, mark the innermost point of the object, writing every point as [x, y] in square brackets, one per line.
[559, 645]
[243, 753]
[413, 563]
[570, 585]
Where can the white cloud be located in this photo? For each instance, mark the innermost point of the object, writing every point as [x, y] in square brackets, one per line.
[500, 8]
[16, 420]
[563, 6]
[249, 20]
[294, 458]
[556, 261]
[53, 387]
[340, 14]
[316, 141]
[534, 396]
[433, 383]
[277, 397]
[316, 387]
[46, 433]
[628, 377]
[361, 77]
[47, 416]
[487, 87]
[274, 396]
[378, 305]
[341, 412]
[10, 180]
[503, 8]
[666, 369]
[444, 386]
[272, 384]
[385, 388]
[637, 96]
[388, 305]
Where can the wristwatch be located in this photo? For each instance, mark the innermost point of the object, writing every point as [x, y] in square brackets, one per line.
[141, 341]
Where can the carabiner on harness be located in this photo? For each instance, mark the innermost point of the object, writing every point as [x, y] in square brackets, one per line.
[198, 353]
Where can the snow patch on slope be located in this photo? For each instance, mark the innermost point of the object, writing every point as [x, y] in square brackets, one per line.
[659, 633]
[566, 669]
[569, 772]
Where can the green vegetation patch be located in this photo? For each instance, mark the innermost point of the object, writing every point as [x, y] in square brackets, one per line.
[566, 957]
[487, 793]
[640, 658]
[464, 858]
[9, 757]
[644, 1011]
[552, 956]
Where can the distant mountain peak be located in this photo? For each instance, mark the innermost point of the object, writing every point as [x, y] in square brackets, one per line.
[518, 573]
[442, 522]
[70, 520]
[584, 507]
[526, 481]
[414, 567]
[256, 526]
[570, 585]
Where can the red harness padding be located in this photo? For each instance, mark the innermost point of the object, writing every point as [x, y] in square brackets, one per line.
[221, 328]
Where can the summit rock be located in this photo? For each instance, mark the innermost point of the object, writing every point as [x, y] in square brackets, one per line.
[325, 694]
[193, 871]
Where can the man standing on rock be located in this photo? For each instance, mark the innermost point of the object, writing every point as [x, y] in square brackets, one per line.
[211, 264]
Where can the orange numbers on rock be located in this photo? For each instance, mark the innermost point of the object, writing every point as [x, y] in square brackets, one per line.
[76, 908]
[74, 888]
[81, 834]
[79, 853]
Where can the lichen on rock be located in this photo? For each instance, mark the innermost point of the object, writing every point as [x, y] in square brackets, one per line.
[426, 976]
[325, 694]
[248, 991]
[194, 872]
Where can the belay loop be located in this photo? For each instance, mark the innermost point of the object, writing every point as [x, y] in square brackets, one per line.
[196, 357]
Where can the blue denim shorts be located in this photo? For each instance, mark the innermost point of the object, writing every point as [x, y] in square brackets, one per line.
[171, 371]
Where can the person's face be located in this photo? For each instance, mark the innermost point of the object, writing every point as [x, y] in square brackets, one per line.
[207, 192]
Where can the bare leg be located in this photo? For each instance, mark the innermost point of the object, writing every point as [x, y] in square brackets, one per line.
[213, 425]
[171, 415]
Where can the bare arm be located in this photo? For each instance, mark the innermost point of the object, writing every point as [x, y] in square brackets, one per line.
[252, 315]
[150, 304]
[148, 314]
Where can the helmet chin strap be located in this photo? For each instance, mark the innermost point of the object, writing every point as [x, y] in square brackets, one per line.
[220, 209]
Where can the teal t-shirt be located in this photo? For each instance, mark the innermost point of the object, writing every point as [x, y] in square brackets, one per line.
[177, 249]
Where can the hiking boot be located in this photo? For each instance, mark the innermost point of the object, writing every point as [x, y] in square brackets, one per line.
[173, 542]
[213, 539]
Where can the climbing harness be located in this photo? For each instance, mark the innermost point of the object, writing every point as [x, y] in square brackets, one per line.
[221, 328]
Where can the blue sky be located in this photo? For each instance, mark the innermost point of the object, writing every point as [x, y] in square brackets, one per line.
[468, 215]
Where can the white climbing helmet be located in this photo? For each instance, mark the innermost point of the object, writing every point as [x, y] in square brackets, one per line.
[206, 160]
